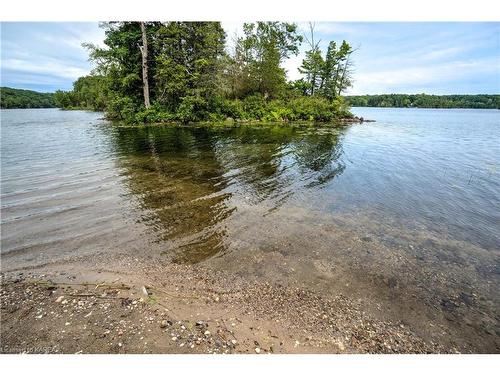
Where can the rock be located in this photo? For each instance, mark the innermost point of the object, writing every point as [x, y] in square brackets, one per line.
[59, 299]
[257, 350]
[234, 342]
[174, 338]
[207, 333]
[144, 291]
[164, 324]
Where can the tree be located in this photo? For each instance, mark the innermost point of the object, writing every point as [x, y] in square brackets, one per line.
[189, 63]
[337, 69]
[262, 49]
[144, 53]
[344, 79]
[313, 64]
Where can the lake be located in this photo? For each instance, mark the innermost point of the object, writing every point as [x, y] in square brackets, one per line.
[402, 214]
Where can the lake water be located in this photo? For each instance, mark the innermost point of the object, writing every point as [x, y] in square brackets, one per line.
[402, 214]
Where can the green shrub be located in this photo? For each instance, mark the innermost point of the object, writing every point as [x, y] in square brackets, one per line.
[254, 107]
[192, 108]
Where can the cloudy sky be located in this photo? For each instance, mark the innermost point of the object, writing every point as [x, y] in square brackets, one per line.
[436, 58]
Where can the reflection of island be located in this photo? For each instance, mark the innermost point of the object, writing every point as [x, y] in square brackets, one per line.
[188, 180]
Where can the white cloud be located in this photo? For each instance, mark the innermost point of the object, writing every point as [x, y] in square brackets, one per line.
[406, 78]
[51, 67]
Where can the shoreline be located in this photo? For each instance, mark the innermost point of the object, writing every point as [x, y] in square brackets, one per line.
[187, 309]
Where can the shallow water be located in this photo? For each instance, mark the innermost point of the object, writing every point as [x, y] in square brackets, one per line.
[405, 210]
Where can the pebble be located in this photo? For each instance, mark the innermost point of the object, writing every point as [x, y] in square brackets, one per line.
[207, 333]
[257, 350]
[164, 324]
[59, 299]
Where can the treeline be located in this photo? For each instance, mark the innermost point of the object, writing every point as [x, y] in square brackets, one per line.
[184, 71]
[17, 98]
[425, 101]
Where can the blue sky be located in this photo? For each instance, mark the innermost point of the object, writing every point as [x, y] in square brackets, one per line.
[435, 58]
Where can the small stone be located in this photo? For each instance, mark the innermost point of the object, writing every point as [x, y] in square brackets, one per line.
[257, 350]
[164, 324]
[207, 333]
[67, 323]
[234, 342]
[174, 338]
[59, 299]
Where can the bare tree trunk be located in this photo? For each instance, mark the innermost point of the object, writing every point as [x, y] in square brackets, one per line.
[144, 52]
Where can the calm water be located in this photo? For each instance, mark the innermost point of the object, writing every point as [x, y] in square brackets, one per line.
[407, 207]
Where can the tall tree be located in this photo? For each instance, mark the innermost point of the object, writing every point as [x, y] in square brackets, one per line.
[313, 64]
[264, 47]
[189, 58]
[144, 53]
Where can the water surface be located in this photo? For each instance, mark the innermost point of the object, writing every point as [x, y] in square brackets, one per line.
[402, 212]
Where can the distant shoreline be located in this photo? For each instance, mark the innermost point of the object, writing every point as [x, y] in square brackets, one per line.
[477, 101]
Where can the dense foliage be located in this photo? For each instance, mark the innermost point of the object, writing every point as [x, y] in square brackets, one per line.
[183, 71]
[425, 101]
[16, 98]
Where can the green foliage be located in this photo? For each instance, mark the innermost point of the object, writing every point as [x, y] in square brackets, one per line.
[192, 78]
[328, 76]
[16, 98]
[425, 101]
[256, 64]
[88, 92]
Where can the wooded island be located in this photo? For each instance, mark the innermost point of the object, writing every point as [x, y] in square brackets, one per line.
[184, 71]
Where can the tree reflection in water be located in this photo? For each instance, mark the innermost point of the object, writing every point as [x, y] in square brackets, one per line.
[187, 181]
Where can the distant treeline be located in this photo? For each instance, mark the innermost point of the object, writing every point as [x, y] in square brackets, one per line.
[425, 101]
[16, 98]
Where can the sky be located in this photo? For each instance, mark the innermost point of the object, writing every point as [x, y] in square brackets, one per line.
[415, 57]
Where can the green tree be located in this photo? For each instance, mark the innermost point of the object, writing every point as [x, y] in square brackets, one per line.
[189, 64]
[313, 65]
[263, 49]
